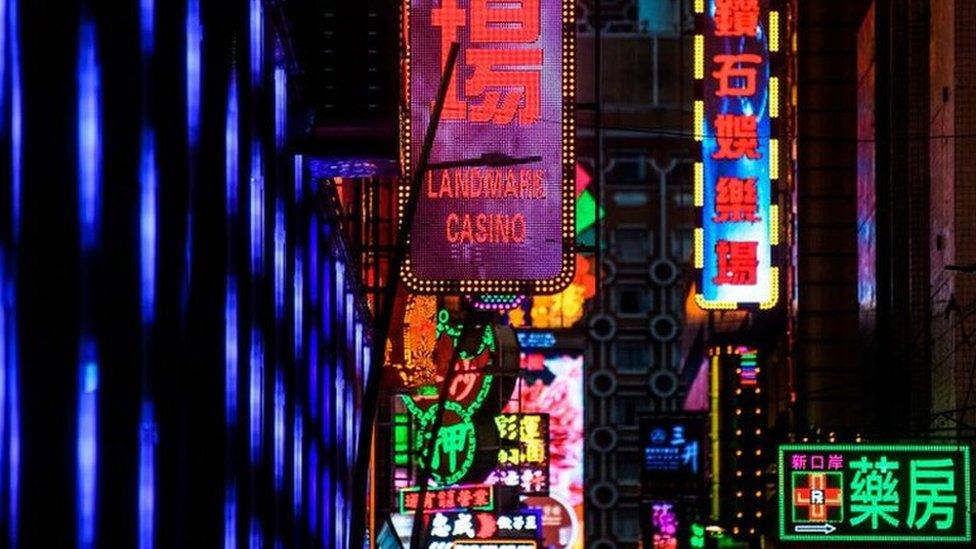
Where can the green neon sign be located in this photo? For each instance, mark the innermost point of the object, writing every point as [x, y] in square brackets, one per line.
[874, 493]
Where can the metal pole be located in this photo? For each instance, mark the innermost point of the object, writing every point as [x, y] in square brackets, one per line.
[357, 530]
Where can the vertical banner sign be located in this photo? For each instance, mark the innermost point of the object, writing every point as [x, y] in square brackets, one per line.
[735, 118]
[496, 206]
[882, 494]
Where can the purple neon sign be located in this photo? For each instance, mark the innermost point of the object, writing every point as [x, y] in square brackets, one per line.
[495, 210]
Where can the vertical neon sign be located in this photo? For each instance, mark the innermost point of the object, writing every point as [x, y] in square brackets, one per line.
[738, 103]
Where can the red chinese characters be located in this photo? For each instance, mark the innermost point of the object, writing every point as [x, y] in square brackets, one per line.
[736, 136]
[737, 262]
[505, 83]
[736, 200]
[736, 74]
[736, 17]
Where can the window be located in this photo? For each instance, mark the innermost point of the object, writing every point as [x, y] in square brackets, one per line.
[632, 356]
[631, 245]
[632, 299]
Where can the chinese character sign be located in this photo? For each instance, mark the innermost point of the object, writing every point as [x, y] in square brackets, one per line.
[459, 497]
[673, 452]
[736, 175]
[446, 527]
[495, 209]
[892, 493]
[523, 454]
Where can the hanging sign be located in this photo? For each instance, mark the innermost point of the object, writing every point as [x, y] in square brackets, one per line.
[496, 211]
[735, 115]
[883, 494]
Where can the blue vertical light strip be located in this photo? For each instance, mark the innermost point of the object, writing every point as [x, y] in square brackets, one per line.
[16, 114]
[231, 137]
[279, 431]
[281, 106]
[257, 42]
[230, 516]
[89, 204]
[13, 415]
[313, 489]
[89, 139]
[194, 64]
[87, 444]
[147, 225]
[148, 196]
[256, 394]
[147, 477]
[4, 308]
[298, 438]
[279, 259]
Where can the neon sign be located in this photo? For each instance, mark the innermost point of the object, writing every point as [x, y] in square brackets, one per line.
[447, 527]
[673, 451]
[734, 182]
[496, 211]
[877, 493]
[453, 498]
[523, 459]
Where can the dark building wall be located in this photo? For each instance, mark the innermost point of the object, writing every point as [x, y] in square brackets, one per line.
[952, 201]
[827, 343]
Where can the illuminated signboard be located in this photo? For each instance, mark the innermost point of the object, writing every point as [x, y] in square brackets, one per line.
[882, 494]
[497, 544]
[523, 459]
[444, 528]
[672, 451]
[496, 210]
[477, 497]
[735, 121]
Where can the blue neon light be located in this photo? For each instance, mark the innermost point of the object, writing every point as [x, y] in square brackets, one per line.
[536, 340]
[257, 210]
[87, 450]
[257, 42]
[313, 492]
[231, 147]
[147, 477]
[146, 25]
[230, 516]
[147, 225]
[256, 394]
[279, 259]
[297, 463]
[89, 137]
[16, 117]
[281, 106]
[299, 178]
[230, 351]
[194, 36]
[299, 301]
[279, 430]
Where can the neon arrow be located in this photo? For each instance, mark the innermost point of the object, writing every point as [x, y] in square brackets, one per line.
[815, 528]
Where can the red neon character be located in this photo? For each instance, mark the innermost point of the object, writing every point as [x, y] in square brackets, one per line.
[479, 497]
[493, 21]
[735, 200]
[735, 77]
[737, 137]
[736, 17]
[445, 500]
[736, 263]
[486, 526]
[506, 91]
[449, 17]
[410, 500]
